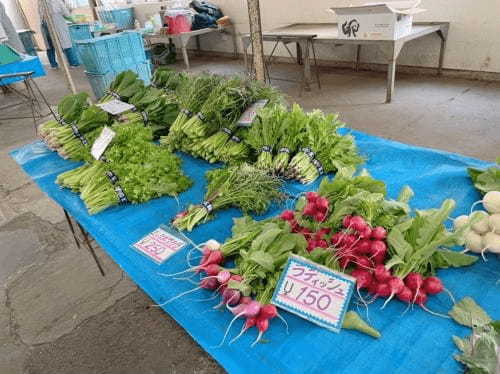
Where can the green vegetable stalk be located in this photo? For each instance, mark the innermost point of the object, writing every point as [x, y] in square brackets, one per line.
[244, 187]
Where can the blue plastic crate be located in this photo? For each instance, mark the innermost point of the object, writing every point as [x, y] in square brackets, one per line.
[123, 18]
[79, 31]
[112, 52]
[101, 82]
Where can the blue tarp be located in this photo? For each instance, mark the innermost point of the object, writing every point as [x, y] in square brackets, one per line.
[411, 342]
[29, 63]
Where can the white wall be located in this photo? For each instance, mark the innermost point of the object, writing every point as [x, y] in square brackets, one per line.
[473, 42]
[14, 14]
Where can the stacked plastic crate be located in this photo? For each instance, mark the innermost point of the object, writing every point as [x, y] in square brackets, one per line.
[79, 31]
[105, 57]
[123, 18]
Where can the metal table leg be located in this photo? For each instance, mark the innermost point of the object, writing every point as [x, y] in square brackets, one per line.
[443, 34]
[86, 240]
[391, 71]
[358, 52]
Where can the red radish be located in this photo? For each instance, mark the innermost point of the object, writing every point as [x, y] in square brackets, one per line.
[345, 261]
[366, 233]
[420, 297]
[215, 257]
[363, 247]
[212, 270]
[231, 296]
[311, 244]
[312, 196]
[379, 233]
[363, 262]
[181, 214]
[414, 281]
[349, 241]
[249, 323]
[318, 235]
[322, 204]
[383, 290]
[245, 300]
[433, 285]
[209, 283]
[262, 325]
[268, 311]
[322, 243]
[223, 276]
[236, 277]
[357, 223]
[319, 216]
[309, 210]
[405, 295]
[372, 287]
[337, 239]
[382, 274]
[306, 232]
[325, 230]
[363, 278]
[377, 246]
[252, 308]
[396, 285]
[379, 258]
[249, 310]
[287, 215]
[346, 222]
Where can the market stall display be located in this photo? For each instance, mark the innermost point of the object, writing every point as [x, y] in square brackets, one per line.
[389, 247]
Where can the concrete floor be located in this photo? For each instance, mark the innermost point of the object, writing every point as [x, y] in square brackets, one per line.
[58, 315]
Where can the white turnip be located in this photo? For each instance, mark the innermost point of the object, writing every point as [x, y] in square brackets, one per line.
[494, 223]
[460, 221]
[492, 242]
[491, 202]
[481, 226]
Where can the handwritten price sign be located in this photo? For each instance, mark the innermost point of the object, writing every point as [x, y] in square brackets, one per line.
[159, 245]
[314, 292]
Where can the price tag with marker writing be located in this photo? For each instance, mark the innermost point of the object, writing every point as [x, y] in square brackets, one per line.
[159, 245]
[250, 113]
[115, 107]
[314, 292]
[102, 142]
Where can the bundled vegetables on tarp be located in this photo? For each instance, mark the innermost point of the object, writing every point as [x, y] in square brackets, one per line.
[124, 86]
[134, 171]
[323, 150]
[69, 110]
[191, 95]
[486, 180]
[242, 186]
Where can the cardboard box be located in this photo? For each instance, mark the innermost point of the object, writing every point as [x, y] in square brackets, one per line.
[377, 21]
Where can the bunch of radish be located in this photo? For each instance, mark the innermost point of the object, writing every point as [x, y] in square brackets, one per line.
[484, 234]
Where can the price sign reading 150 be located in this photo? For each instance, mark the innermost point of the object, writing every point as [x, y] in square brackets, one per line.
[314, 292]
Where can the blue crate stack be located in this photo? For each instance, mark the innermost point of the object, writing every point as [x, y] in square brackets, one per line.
[26, 37]
[107, 56]
[79, 31]
[123, 18]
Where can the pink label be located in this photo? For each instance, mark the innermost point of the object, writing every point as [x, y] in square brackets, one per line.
[159, 245]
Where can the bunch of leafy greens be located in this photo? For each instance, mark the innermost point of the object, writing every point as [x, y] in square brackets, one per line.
[290, 137]
[324, 150]
[264, 134]
[124, 86]
[143, 171]
[416, 244]
[481, 351]
[486, 180]
[243, 187]
[69, 110]
[365, 196]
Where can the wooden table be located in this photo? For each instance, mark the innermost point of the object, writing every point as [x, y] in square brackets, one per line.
[326, 33]
[183, 39]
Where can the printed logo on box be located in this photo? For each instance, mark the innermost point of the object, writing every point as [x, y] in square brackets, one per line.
[159, 245]
[314, 292]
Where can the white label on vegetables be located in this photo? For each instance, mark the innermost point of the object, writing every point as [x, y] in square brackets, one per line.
[115, 107]
[314, 292]
[102, 142]
[159, 245]
[248, 115]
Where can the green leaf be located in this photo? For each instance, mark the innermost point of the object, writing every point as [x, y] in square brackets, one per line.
[405, 195]
[446, 258]
[432, 221]
[263, 259]
[352, 321]
[398, 243]
[466, 312]
[395, 260]
[240, 286]
[268, 235]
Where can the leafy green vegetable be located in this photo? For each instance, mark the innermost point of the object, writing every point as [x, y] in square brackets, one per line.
[244, 187]
[480, 351]
[486, 180]
[466, 312]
